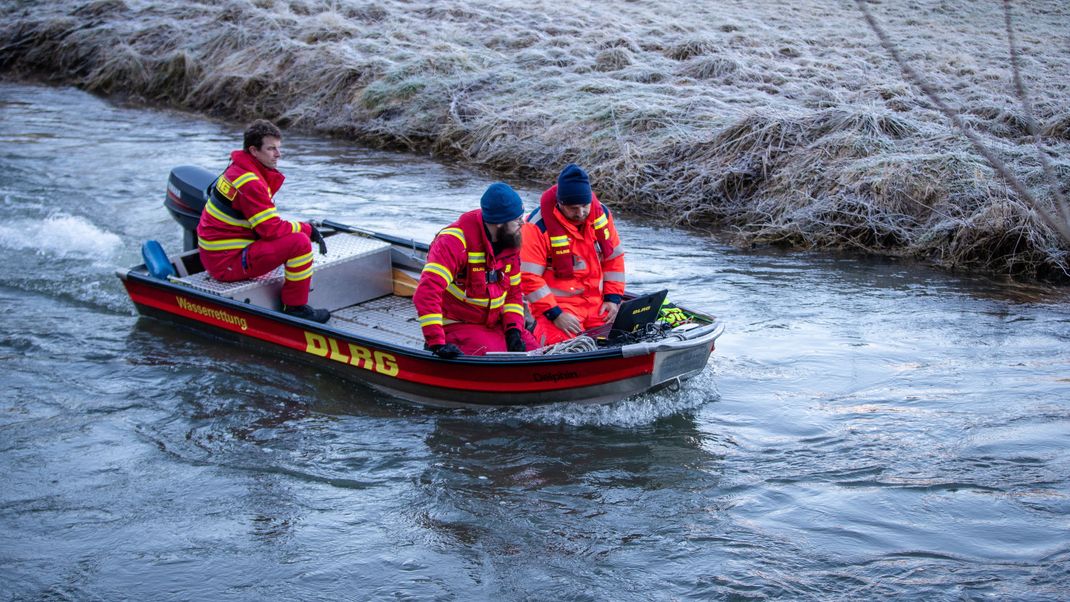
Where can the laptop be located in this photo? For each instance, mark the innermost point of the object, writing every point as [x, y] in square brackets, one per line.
[633, 316]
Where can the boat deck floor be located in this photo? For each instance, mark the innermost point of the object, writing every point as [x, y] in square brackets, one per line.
[390, 318]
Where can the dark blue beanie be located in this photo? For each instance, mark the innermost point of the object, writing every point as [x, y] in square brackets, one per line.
[500, 204]
[573, 186]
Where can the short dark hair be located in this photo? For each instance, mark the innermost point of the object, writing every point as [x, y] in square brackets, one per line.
[257, 131]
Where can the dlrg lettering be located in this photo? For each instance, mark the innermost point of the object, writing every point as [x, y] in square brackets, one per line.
[355, 355]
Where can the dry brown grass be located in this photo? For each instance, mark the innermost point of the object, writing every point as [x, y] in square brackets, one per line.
[784, 122]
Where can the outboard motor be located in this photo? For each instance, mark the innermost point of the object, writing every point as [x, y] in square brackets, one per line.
[186, 196]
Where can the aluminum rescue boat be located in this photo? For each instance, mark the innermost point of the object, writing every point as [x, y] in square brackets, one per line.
[373, 337]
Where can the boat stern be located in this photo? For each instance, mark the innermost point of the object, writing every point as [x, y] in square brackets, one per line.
[680, 356]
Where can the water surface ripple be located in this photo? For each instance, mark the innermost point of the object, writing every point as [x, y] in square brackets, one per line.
[866, 428]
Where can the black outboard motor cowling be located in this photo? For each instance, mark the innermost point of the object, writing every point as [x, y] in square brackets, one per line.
[186, 195]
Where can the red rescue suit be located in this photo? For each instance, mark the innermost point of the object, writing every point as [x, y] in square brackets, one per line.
[595, 278]
[468, 296]
[241, 235]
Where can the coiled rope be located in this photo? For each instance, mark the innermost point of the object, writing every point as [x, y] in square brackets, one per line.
[579, 344]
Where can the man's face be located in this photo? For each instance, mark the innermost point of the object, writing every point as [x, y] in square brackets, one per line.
[507, 233]
[575, 214]
[269, 152]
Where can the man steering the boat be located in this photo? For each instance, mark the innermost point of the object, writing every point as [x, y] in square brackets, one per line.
[468, 298]
[241, 235]
[572, 261]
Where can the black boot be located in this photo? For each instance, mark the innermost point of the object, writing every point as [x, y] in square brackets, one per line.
[307, 312]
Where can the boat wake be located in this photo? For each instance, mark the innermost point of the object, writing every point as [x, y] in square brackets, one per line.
[637, 411]
[67, 236]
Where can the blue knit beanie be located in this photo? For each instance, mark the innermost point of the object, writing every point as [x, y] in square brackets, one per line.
[573, 186]
[500, 204]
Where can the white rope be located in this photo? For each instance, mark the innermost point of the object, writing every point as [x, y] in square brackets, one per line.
[579, 344]
[584, 343]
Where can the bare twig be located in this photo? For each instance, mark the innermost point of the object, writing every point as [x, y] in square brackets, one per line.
[1052, 221]
[1031, 122]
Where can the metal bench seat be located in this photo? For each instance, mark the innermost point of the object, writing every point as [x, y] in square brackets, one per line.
[354, 270]
[391, 318]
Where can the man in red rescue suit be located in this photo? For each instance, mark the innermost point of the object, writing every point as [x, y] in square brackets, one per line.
[468, 299]
[572, 262]
[241, 235]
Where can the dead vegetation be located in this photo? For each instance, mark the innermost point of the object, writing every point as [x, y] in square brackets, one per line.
[785, 124]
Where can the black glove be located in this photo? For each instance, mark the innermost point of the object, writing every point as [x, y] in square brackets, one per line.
[513, 342]
[446, 352]
[318, 239]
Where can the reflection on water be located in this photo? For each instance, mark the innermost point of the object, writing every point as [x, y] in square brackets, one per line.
[569, 508]
[867, 428]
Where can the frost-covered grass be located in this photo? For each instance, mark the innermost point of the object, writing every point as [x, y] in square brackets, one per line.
[785, 122]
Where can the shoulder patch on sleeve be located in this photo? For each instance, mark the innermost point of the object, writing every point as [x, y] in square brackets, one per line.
[225, 188]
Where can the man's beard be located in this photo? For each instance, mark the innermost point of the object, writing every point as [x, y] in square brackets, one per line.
[509, 240]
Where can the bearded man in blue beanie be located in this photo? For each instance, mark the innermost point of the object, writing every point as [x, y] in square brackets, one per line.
[468, 299]
[572, 261]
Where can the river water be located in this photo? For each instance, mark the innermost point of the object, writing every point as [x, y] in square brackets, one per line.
[866, 428]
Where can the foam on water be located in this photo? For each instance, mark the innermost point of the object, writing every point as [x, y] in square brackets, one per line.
[61, 235]
[637, 411]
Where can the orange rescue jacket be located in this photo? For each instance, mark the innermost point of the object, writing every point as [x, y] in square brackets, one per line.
[595, 278]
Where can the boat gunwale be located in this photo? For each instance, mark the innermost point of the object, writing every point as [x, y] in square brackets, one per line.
[139, 273]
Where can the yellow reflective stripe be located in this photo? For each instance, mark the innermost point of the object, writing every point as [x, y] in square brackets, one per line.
[454, 290]
[559, 241]
[477, 258]
[455, 232]
[223, 217]
[430, 320]
[299, 260]
[439, 270]
[600, 222]
[225, 244]
[514, 308]
[303, 274]
[263, 216]
[244, 179]
[514, 280]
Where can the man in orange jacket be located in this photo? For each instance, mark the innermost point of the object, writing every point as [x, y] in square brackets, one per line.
[241, 235]
[468, 299]
[572, 262]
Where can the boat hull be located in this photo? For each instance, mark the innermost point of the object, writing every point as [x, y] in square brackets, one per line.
[417, 376]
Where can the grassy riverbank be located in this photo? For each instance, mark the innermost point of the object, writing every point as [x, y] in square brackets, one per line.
[784, 122]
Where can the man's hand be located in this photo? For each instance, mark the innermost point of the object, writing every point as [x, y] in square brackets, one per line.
[609, 311]
[446, 352]
[317, 238]
[568, 323]
[513, 341]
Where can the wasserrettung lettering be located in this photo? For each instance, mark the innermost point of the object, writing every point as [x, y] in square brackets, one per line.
[216, 314]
